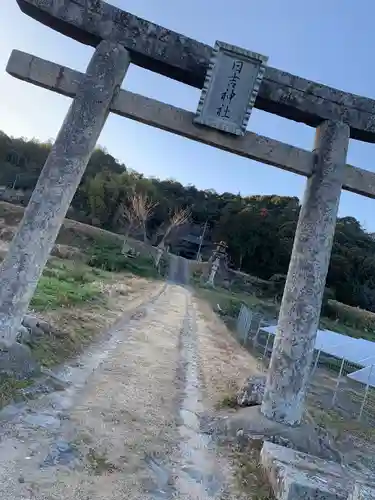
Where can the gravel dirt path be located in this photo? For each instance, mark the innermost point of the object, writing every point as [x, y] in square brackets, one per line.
[128, 424]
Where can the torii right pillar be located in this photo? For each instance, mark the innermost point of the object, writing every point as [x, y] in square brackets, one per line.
[288, 374]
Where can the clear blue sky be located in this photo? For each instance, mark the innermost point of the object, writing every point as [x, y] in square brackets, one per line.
[329, 41]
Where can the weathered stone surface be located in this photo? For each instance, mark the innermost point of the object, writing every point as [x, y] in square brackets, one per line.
[230, 111]
[293, 348]
[253, 425]
[297, 475]
[57, 383]
[362, 492]
[177, 56]
[157, 114]
[36, 324]
[58, 181]
[38, 328]
[23, 335]
[68, 252]
[16, 361]
[252, 392]
[359, 181]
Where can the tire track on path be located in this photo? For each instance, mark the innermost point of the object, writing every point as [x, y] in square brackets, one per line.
[195, 473]
[198, 475]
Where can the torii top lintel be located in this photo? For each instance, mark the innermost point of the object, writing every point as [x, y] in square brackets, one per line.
[186, 60]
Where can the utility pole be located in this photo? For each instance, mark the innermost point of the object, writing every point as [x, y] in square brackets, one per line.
[15, 182]
[201, 241]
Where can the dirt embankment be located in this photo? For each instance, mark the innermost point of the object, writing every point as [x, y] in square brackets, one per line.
[72, 233]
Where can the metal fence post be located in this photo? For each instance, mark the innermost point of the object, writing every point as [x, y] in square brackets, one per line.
[366, 393]
[338, 382]
[255, 341]
[266, 347]
[239, 319]
[248, 325]
[243, 323]
[316, 361]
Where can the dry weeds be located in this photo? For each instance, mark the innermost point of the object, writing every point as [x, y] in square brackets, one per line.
[224, 363]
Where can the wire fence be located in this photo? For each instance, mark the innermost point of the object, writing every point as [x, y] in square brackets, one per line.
[331, 385]
[252, 337]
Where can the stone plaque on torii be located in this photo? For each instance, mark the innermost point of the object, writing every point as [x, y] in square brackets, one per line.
[231, 86]
[121, 38]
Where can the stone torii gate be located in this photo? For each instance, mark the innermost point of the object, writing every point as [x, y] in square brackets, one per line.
[121, 38]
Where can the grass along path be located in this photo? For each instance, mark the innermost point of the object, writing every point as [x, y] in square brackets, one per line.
[66, 283]
[79, 302]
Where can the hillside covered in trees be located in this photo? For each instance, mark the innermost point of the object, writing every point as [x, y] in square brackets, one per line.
[259, 230]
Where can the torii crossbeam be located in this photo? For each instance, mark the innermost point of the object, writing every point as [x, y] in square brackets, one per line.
[121, 38]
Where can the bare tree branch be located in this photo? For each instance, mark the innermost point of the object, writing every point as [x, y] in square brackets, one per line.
[141, 208]
[136, 211]
[128, 213]
[178, 218]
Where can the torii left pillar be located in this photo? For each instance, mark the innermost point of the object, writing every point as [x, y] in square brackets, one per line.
[57, 184]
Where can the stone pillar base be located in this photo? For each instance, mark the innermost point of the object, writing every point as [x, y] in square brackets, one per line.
[16, 361]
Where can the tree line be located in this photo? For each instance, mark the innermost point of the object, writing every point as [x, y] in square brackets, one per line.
[259, 230]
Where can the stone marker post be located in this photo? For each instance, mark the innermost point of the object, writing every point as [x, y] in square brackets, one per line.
[58, 181]
[159, 255]
[214, 269]
[301, 304]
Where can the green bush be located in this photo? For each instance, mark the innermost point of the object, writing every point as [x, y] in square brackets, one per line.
[9, 388]
[353, 317]
[276, 286]
[328, 295]
[65, 283]
[70, 274]
[278, 278]
[53, 292]
[109, 258]
[229, 307]
[164, 266]
[232, 308]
